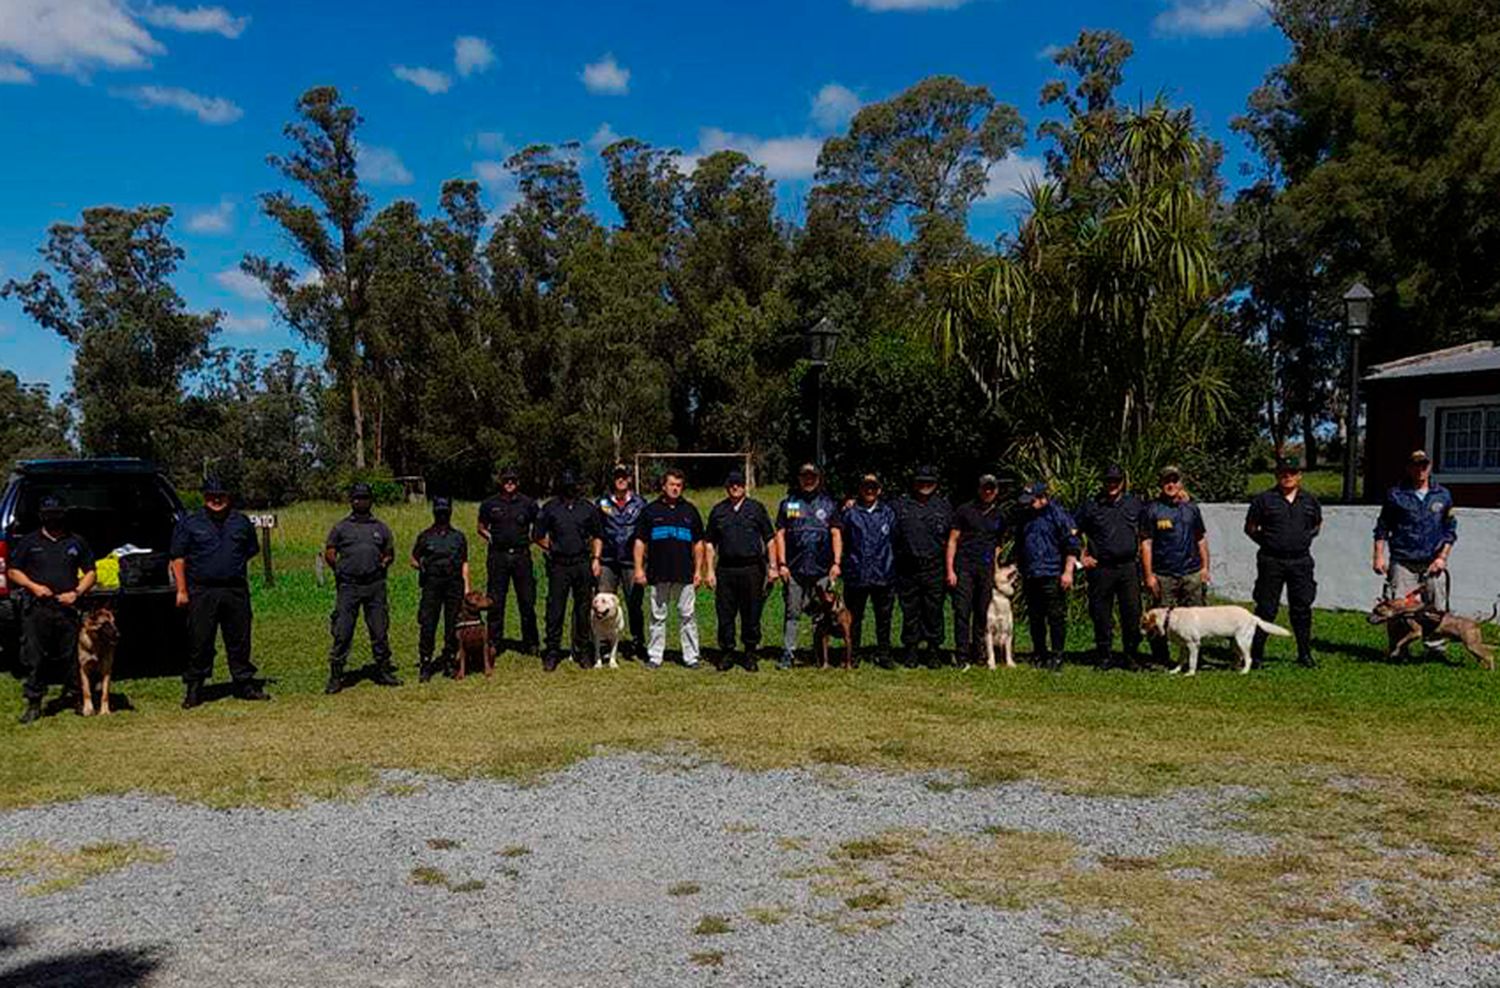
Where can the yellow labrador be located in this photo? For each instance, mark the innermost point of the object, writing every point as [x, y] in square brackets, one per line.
[1000, 622]
[1190, 625]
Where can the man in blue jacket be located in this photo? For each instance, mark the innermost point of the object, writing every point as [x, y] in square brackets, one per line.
[614, 559]
[1417, 527]
[808, 547]
[1047, 551]
[868, 525]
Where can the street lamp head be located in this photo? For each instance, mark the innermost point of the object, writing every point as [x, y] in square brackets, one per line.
[821, 340]
[1357, 308]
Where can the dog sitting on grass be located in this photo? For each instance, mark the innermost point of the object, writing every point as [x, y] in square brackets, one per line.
[1423, 621]
[607, 622]
[1000, 620]
[831, 619]
[97, 641]
[473, 641]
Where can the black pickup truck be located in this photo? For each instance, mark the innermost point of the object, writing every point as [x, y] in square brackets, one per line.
[111, 503]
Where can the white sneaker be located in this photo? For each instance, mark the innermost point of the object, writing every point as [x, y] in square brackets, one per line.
[1439, 644]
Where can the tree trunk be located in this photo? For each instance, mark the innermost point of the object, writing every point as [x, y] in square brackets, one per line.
[1309, 442]
[378, 446]
[359, 423]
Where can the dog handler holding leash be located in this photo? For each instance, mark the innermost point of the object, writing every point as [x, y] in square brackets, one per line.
[619, 510]
[809, 546]
[55, 568]
[1174, 551]
[973, 540]
[737, 548]
[1416, 522]
[441, 558]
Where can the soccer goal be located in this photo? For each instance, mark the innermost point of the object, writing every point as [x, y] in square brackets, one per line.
[645, 461]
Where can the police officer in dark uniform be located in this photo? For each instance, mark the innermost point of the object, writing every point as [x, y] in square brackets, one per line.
[210, 549]
[55, 568]
[973, 540]
[1174, 551]
[1110, 524]
[621, 509]
[738, 535]
[441, 558]
[566, 530]
[923, 520]
[360, 548]
[505, 522]
[1283, 521]
[1047, 551]
[808, 547]
[869, 524]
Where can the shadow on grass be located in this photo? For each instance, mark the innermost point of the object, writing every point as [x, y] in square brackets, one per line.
[106, 968]
[1417, 655]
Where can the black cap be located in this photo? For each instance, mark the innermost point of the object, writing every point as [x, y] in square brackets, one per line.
[926, 474]
[988, 480]
[1288, 464]
[808, 468]
[1170, 472]
[52, 502]
[1032, 491]
[441, 504]
[734, 477]
[213, 485]
[869, 480]
[360, 490]
[1419, 457]
[1114, 473]
[567, 479]
[621, 470]
[509, 473]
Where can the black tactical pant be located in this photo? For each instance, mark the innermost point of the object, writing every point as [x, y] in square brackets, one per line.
[1111, 585]
[1296, 574]
[565, 578]
[352, 598]
[921, 593]
[971, 609]
[740, 595]
[505, 568]
[883, 599]
[618, 578]
[1046, 611]
[441, 597]
[49, 640]
[213, 611]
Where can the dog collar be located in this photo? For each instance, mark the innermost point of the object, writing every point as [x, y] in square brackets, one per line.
[468, 624]
[1166, 624]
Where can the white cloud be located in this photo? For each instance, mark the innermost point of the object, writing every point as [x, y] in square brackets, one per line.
[471, 54]
[198, 20]
[246, 324]
[499, 182]
[606, 76]
[1008, 177]
[603, 137]
[74, 36]
[381, 166]
[424, 78]
[1211, 18]
[834, 105]
[15, 75]
[1048, 53]
[214, 220]
[491, 172]
[241, 284]
[308, 278]
[782, 157]
[491, 142]
[209, 109]
[883, 5]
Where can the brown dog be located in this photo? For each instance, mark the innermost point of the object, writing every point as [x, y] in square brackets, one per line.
[830, 619]
[97, 640]
[473, 640]
[1424, 621]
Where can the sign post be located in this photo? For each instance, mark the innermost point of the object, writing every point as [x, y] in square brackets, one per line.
[264, 523]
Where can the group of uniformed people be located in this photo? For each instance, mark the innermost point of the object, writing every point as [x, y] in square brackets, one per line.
[915, 549]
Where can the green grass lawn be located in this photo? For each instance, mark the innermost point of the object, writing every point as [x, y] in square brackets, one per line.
[1326, 483]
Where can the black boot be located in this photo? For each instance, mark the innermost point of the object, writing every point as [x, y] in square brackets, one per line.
[192, 695]
[1306, 661]
[250, 690]
[883, 658]
[909, 660]
[551, 660]
[32, 712]
[335, 681]
[751, 663]
[385, 675]
[425, 669]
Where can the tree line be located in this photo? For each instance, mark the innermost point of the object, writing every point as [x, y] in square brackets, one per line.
[1137, 313]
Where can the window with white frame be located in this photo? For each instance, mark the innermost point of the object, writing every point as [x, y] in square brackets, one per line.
[1468, 438]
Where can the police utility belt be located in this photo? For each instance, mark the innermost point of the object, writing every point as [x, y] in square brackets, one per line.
[510, 550]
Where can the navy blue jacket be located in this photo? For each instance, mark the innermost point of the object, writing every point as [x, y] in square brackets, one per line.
[1173, 528]
[869, 556]
[1416, 527]
[1045, 539]
[618, 526]
[808, 523]
[216, 552]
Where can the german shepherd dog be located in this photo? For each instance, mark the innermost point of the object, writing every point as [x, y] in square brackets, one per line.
[473, 640]
[97, 640]
[830, 619]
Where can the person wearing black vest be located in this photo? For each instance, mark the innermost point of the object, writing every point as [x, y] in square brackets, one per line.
[566, 531]
[973, 540]
[738, 538]
[1110, 524]
[441, 558]
[923, 520]
[1283, 521]
[360, 548]
[55, 568]
[807, 548]
[210, 550]
[505, 523]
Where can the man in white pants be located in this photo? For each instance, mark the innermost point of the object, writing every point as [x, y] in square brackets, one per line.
[669, 560]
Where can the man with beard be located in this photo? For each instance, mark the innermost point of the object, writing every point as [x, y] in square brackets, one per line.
[210, 551]
[360, 549]
[55, 567]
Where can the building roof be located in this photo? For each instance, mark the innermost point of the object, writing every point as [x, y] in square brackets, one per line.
[1464, 359]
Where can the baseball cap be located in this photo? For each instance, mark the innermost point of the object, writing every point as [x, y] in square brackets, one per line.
[51, 503]
[621, 470]
[808, 468]
[509, 473]
[988, 480]
[213, 485]
[1114, 473]
[1419, 456]
[441, 504]
[1288, 464]
[869, 480]
[1169, 472]
[361, 489]
[1032, 491]
[567, 478]
[734, 478]
[926, 474]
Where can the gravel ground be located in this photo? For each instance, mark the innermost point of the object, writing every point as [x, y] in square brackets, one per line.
[324, 895]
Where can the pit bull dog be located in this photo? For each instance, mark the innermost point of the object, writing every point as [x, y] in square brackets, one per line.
[1423, 621]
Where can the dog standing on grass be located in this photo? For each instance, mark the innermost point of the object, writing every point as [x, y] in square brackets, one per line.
[1000, 621]
[607, 623]
[97, 641]
[1190, 625]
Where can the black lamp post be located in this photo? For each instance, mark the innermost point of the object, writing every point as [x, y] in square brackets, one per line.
[1356, 320]
[821, 340]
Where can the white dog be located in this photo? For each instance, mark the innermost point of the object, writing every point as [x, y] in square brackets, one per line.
[607, 619]
[1000, 621]
[1190, 625]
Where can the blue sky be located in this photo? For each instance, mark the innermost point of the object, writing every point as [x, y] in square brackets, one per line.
[125, 102]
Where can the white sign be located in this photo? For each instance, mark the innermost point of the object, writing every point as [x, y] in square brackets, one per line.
[263, 521]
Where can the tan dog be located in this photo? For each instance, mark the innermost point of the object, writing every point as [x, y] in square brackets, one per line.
[1000, 621]
[1424, 621]
[1190, 625]
[607, 621]
[97, 640]
[473, 640]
